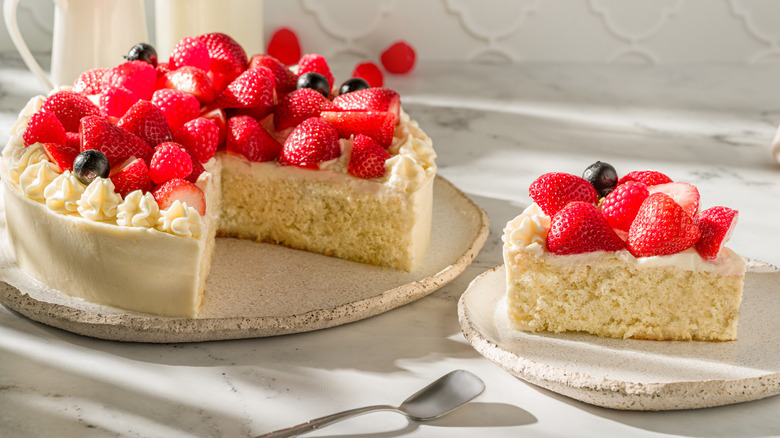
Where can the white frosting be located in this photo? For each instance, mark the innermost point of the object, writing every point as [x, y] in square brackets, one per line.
[20, 158]
[36, 177]
[528, 232]
[63, 194]
[138, 210]
[99, 201]
[180, 220]
[413, 160]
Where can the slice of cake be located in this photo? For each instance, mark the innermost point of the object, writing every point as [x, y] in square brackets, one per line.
[642, 262]
[115, 188]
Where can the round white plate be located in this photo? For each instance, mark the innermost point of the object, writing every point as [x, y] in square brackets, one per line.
[633, 374]
[257, 290]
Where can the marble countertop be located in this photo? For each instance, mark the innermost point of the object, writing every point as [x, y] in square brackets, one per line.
[496, 128]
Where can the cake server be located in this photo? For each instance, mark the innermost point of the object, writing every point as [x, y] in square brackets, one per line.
[441, 397]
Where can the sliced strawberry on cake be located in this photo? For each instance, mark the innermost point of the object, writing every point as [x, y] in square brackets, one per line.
[285, 80]
[69, 107]
[90, 82]
[254, 88]
[44, 127]
[130, 176]
[552, 191]
[228, 59]
[310, 143]
[180, 190]
[367, 159]
[114, 142]
[177, 106]
[248, 138]
[61, 155]
[147, 121]
[200, 137]
[136, 76]
[190, 80]
[190, 51]
[314, 63]
[684, 194]
[298, 106]
[716, 225]
[647, 177]
[622, 204]
[376, 99]
[170, 161]
[378, 125]
[115, 101]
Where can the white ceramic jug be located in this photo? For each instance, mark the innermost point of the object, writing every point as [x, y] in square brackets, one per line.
[87, 34]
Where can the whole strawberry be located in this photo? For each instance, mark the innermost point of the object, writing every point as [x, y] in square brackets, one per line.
[114, 142]
[170, 161]
[310, 143]
[661, 227]
[228, 59]
[579, 228]
[298, 106]
[90, 82]
[254, 88]
[177, 106]
[368, 158]
[376, 99]
[132, 175]
[70, 107]
[136, 76]
[145, 120]
[716, 225]
[622, 204]
[44, 127]
[284, 79]
[552, 191]
[190, 80]
[399, 58]
[199, 137]
[284, 46]
[312, 62]
[115, 101]
[190, 51]
[246, 137]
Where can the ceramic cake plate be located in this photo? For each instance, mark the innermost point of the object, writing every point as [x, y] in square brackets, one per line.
[633, 374]
[257, 290]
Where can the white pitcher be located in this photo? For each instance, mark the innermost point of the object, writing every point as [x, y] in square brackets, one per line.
[87, 34]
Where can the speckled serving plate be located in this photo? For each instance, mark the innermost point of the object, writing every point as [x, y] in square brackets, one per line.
[258, 290]
[632, 374]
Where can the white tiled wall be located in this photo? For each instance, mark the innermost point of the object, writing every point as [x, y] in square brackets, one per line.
[621, 31]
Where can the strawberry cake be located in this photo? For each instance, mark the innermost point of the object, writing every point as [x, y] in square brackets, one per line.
[625, 258]
[116, 187]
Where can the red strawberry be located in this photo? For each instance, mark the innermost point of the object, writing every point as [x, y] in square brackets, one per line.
[228, 59]
[398, 58]
[114, 142]
[70, 107]
[170, 161]
[190, 80]
[145, 120]
[311, 62]
[90, 82]
[621, 205]
[552, 191]
[136, 76]
[368, 158]
[285, 80]
[370, 72]
[219, 118]
[130, 176]
[716, 225]
[284, 46]
[43, 127]
[661, 227]
[61, 155]
[254, 88]
[683, 193]
[377, 99]
[378, 125]
[190, 51]
[310, 143]
[162, 69]
[578, 228]
[180, 190]
[298, 106]
[199, 137]
[115, 101]
[648, 177]
[197, 169]
[73, 141]
[177, 106]
[247, 137]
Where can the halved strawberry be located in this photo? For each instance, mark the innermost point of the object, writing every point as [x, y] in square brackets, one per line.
[552, 191]
[190, 80]
[254, 88]
[367, 159]
[180, 190]
[648, 177]
[370, 72]
[378, 125]
[312, 62]
[136, 76]
[70, 107]
[376, 99]
[284, 46]
[228, 59]
[170, 161]
[579, 228]
[298, 106]
[197, 169]
[190, 51]
[145, 120]
[247, 137]
[130, 176]
[218, 116]
[44, 127]
[177, 106]
[115, 101]
[621, 205]
[200, 137]
[114, 142]
[285, 80]
[716, 225]
[61, 155]
[684, 194]
[90, 82]
[661, 227]
[313, 141]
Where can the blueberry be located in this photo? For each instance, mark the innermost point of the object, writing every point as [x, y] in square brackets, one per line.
[315, 81]
[89, 165]
[142, 52]
[602, 176]
[353, 84]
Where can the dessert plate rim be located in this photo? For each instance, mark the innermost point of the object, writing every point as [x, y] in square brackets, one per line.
[479, 318]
